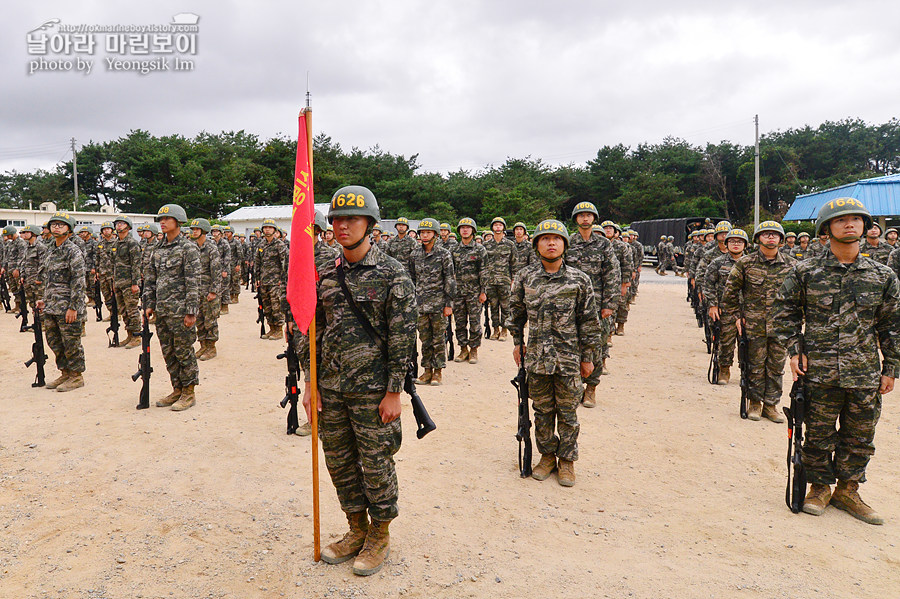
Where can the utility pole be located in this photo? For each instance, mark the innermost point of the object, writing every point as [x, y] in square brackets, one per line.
[756, 177]
[75, 173]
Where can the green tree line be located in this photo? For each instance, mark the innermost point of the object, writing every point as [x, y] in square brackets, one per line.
[214, 174]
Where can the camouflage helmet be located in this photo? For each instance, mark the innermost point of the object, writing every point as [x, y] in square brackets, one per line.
[62, 217]
[322, 224]
[670, 238]
[217, 228]
[596, 228]
[10, 230]
[329, 227]
[738, 234]
[402, 221]
[609, 223]
[662, 237]
[377, 227]
[356, 200]
[550, 227]
[202, 224]
[140, 228]
[790, 234]
[890, 230]
[121, 218]
[429, 224]
[467, 222]
[769, 225]
[444, 226]
[268, 222]
[106, 225]
[802, 235]
[498, 219]
[153, 228]
[635, 233]
[33, 229]
[255, 229]
[228, 229]
[520, 224]
[185, 230]
[173, 210]
[723, 226]
[83, 229]
[875, 224]
[842, 207]
[585, 207]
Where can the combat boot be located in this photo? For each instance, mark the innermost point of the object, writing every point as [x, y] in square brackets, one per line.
[620, 329]
[545, 467]
[436, 378]
[351, 543]
[127, 340]
[84, 328]
[425, 379]
[772, 413]
[134, 342]
[202, 350]
[186, 400]
[724, 374]
[276, 334]
[816, 499]
[210, 352]
[376, 549]
[151, 319]
[169, 399]
[496, 335]
[603, 368]
[223, 309]
[503, 334]
[75, 381]
[846, 497]
[304, 430]
[473, 355]
[63, 375]
[566, 474]
[589, 399]
[463, 354]
[755, 411]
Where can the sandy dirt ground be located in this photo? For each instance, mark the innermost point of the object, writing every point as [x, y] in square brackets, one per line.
[676, 496]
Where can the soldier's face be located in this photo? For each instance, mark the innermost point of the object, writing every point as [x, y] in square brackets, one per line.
[426, 237]
[519, 232]
[804, 242]
[59, 229]
[27, 235]
[445, 234]
[121, 226]
[349, 229]
[376, 235]
[168, 224]
[466, 231]
[497, 227]
[847, 228]
[610, 232]
[401, 228]
[736, 246]
[874, 232]
[550, 246]
[268, 231]
[196, 232]
[892, 237]
[769, 239]
[329, 235]
[584, 220]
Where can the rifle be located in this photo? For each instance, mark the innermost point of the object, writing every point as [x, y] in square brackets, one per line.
[291, 394]
[523, 430]
[448, 337]
[23, 308]
[249, 277]
[113, 324]
[707, 331]
[144, 368]
[744, 364]
[260, 313]
[424, 423]
[487, 321]
[98, 300]
[712, 375]
[38, 355]
[796, 414]
[4, 293]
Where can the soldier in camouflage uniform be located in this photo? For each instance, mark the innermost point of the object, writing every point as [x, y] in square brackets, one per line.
[209, 289]
[872, 246]
[849, 305]
[593, 254]
[431, 269]
[15, 250]
[127, 280]
[105, 264]
[626, 269]
[360, 378]
[713, 287]
[63, 305]
[524, 251]
[801, 250]
[171, 291]
[638, 258]
[447, 240]
[557, 302]
[270, 265]
[790, 239]
[748, 297]
[90, 263]
[470, 266]
[501, 266]
[148, 245]
[30, 266]
[890, 237]
[400, 247]
[237, 260]
[225, 256]
[714, 249]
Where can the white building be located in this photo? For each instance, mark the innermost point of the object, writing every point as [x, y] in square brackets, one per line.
[245, 219]
[20, 218]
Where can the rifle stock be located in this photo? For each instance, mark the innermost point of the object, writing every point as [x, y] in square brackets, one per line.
[795, 491]
[291, 382]
[38, 355]
[744, 364]
[523, 428]
[98, 300]
[424, 423]
[113, 324]
[144, 367]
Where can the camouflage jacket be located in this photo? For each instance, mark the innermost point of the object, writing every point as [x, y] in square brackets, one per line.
[704, 260]
[713, 284]
[224, 253]
[79, 243]
[105, 256]
[349, 360]
[751, 288]
[798, 253]
[524, 254]
[90, 255]
[30, 267]
[597, 259]
[501, 261]
[400, 249]
[271, 263]
[171, 283]
[698, 255]
[15, 252]
[894, 261]
[447, 245]
[210, 269]
[323, 255]
[637, 253]
[432, 274]
[879, 253]
[237, 251]
[147, 249]
[850, 310]
[626, 261]
[563, 321]
[126, 262]
[661, 251]
[784, 249]
[469, 265]
[62, 274]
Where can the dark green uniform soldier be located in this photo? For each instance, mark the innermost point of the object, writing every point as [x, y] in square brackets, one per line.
[90, 262]
[30, 266]
[400, 247]
[501, 266]
[713, 288]
[873, 247]
[225, 257]
[469, 265]
[105, 265]
[557, 303]
[127, 279]
[638, 256]
[209, 289]
[524, 251]
[271, 264]
[363, 356]
[849, 305]
[63, 307]
[623, 252]
[15, 249]
[237, 260]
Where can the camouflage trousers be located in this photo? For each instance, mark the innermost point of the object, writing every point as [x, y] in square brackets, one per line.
[33, 292]
[65, 341]
[89, 285]
[225, 296]
[498, 300]
[554, 398]
[270, 296]
[127, 304]
[622, 311]
[727, 341]
[766, 372]
[432, 328]
[13, 283]
[208, 320]
[606, 327]
[235, 284]
[245, 273]
[106, 289]
[177, 344]
[844, 453]
[467, 317]
[633, 290]
[359, 452]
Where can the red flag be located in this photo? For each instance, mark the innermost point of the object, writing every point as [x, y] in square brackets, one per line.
[301, 285]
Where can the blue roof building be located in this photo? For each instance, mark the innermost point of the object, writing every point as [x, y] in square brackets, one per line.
[881, 195]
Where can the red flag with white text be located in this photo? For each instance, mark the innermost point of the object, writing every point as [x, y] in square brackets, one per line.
[301, 285]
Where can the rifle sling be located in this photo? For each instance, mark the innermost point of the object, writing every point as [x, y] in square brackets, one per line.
[357, 312]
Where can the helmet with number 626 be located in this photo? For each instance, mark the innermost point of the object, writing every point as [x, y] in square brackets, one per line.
[354, 200]
[842, 207]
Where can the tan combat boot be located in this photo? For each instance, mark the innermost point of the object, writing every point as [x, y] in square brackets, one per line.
[84, 328]
[503, 334]
[425, 379]
[63, 375]
[186, 400]
[304, 430]
[351, 543]
[202, 350]
[169, 399]
[210, 351]
[545, 467]
[276, 334]
[566, 474]
[473, 355]
[846, 497]
[816, 499]
[603, 368]
[463, 354]
[135, 342]
[436, 378]
[772, 413]
[755, 411]
[589, 399]
[75, 381]
[376, 549]
[620, 329]
[724, 374]
[126, 341]
[496, 334]
[223, 309]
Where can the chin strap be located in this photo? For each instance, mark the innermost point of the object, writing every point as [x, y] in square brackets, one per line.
[357, 244]
[552, 260]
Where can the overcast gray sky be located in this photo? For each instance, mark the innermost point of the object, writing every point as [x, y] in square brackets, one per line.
[463, 83]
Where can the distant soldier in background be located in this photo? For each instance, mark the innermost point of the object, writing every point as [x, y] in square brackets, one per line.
[225, 256]
[661, 259]
[90, 263]
[400, 247]
[15, 250]
[470, 268]
[801, 250]
[890, 237]
[447, 241]
[872, 246]
[105, 265]
[271, 267]
[789, 242]
[329, 239]
[237, 260]
[127, 279]
[524, 251]
[208, 289]
[501, 266]
[713, 287]
[623, 252]
[30, 266]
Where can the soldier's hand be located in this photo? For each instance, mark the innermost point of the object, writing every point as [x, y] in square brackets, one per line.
[606, 312]
[210, 297]
[887, 384]
[797, 370]
[71, 316]
[389, 408]
[482, 298]
[307, 392]
[135, 289]
[190, 320]
[516, 356]
[714, 312]
[148, 312]
[739, 323]
[15, 273]
[39, 305]
[586, 369]
[224, 274]
[624, 289]
[448, 311]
